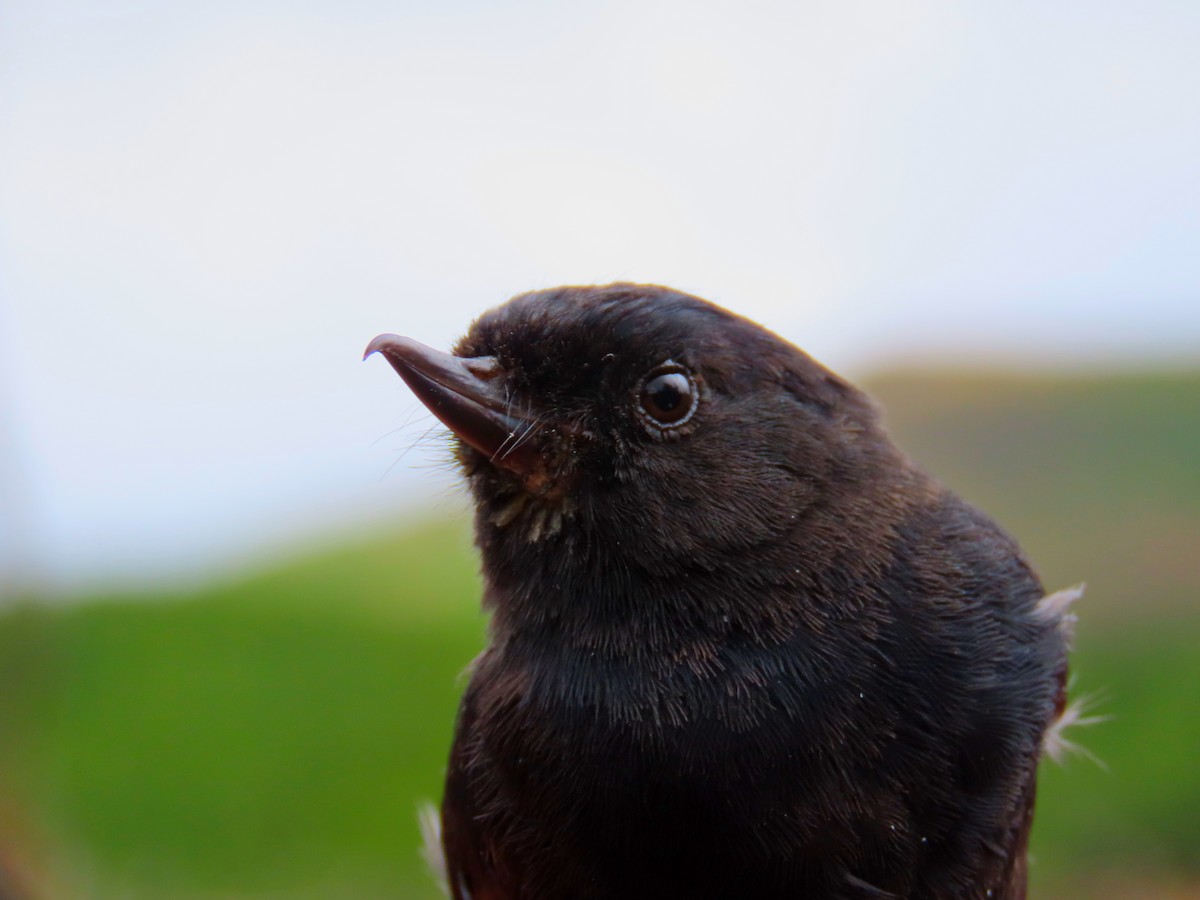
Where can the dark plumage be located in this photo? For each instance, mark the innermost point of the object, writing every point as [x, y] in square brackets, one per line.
[740, 646]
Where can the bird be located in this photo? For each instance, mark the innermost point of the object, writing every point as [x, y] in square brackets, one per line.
[739, 644]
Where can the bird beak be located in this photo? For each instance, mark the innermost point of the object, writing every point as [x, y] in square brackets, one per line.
[466, 394]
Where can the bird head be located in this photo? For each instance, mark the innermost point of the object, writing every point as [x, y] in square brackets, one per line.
[674, 427]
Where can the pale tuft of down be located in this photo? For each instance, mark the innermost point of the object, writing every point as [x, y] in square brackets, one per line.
[431, 850]
[1056, 607]
[1055, 743]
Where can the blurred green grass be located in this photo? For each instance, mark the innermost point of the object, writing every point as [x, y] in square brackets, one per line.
[272, 736]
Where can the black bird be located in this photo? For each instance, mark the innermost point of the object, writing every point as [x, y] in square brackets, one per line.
[740, 645]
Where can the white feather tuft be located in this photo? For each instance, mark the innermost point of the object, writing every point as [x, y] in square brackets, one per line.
[431, 834]
[1055, 743]
[1056, 606]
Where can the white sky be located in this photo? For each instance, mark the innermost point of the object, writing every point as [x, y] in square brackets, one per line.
[208, 209]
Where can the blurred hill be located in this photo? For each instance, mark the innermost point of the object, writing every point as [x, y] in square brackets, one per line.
[1098, 476]
[272, 737]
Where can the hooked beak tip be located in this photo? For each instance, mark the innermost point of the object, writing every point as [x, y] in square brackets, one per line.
[378, 343]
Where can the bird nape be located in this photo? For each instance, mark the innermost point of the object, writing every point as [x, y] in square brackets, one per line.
[740, 645]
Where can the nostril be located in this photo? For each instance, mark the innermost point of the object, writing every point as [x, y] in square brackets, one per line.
[484, 368]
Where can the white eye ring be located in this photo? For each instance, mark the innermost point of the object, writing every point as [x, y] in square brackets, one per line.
[667, 397]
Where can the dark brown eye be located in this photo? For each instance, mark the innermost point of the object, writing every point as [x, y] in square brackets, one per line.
[668, 396]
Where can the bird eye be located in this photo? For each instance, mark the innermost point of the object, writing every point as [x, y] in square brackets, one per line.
[668, 396]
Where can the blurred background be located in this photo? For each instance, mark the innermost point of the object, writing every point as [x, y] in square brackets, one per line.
[238, 587]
